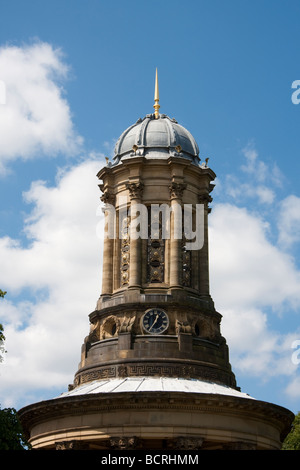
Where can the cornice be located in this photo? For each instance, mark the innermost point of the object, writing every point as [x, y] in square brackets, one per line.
[230, 406]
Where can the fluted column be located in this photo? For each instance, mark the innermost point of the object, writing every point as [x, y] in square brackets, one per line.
[176, 190]
[135, 273]
[203, 253]
[108, 243]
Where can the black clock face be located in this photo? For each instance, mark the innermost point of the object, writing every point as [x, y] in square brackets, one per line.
[155, 321]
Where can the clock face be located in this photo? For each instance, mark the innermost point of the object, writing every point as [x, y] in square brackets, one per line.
[155, 321]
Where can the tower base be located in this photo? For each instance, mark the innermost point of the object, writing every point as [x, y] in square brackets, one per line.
[155, 414]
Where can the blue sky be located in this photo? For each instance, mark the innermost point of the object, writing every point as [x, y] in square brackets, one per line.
[77, 74]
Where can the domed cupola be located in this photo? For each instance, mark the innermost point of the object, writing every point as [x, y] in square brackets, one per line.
[156, 136]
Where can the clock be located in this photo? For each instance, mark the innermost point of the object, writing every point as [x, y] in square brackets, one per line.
[155, 321]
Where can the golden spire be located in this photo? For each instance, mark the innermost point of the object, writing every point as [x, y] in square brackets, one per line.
[156, 106]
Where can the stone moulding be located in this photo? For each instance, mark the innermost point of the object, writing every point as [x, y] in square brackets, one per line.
[186, 369]
[140, 404]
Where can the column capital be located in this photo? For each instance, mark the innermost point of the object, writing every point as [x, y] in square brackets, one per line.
[108, 198]
[176, 190]
[135, 189]
[205, 199]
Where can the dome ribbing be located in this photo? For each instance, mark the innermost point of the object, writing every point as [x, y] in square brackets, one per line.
[156, 138]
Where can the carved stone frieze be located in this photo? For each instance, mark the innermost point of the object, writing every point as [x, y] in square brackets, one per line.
[122, 372]
[124, 443]
[156, 248]
[125, 251]
[152, 370]
[186, 267]
[239, 446]
[71, 445]
[186, 443]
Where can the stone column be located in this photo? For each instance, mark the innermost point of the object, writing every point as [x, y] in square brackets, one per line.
[176, 190]
[108, 244]
[135, 275]
[203, 253]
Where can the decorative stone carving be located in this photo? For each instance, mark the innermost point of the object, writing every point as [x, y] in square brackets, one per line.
[124, 443]
[135, 189]
[205, 199]
[156, 248]
[183, 326]
[206, 327]
[166, 370]
[126, 324]
[109, 327]
[108, 198]
[176, 190]
[71, 445]
[187, 443]
[155, 262]
[122, 372]
[94, 334]
[125, 251]
[239, 446]
[186, 267]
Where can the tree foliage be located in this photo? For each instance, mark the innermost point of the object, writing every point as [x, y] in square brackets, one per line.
[11, 432]
[292, 440]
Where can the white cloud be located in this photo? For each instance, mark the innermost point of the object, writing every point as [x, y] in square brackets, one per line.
[253, 165]
[293, 388]
[252, 280]
[35, 117]
[253, 181]
[246, 266]
[255, 277]
[289, 222]
[58, 278]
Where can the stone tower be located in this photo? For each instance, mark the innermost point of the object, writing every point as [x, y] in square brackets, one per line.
[154, 370]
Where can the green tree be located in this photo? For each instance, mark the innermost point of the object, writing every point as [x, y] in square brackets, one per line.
[11, 432]
[292, 440]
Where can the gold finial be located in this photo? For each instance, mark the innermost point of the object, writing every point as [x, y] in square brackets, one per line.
[156, 106]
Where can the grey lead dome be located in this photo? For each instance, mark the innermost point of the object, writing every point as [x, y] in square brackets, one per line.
[156, 138]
